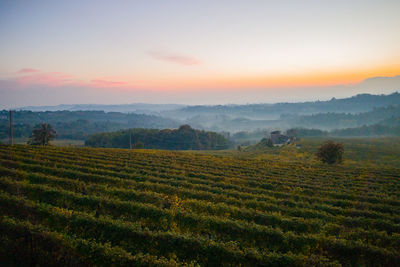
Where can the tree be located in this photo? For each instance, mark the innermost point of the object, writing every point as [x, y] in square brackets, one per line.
[42, 134]
[330, 152]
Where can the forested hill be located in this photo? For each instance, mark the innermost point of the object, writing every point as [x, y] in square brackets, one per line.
[184, 138]
[327, 121]
[94, 116]
[141, 108]
[351, 112]
[80, 124]
[355, 104]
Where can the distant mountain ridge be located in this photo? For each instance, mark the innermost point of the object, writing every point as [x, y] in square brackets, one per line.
[142, 108]
[356, 111]
[355, 104]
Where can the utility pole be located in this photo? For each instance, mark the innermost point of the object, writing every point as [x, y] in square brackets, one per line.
[11, 129]
[130, 140]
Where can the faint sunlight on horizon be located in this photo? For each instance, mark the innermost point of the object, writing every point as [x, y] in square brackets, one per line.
[194, 52]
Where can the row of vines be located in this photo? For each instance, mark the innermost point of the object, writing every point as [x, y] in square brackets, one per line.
[83, 206]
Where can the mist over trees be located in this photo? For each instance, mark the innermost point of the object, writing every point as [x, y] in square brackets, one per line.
[242, 124]
[368, 131]
[356, 104]
[331, 120]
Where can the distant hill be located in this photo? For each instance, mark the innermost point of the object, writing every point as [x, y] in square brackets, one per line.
[331, 120]
[375, 130]
[355, 104]
[184, 138]
[336, 113]
[392, 121]
[356, 111]
[141, 108]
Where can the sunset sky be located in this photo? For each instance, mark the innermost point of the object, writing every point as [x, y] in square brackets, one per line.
[195, 52]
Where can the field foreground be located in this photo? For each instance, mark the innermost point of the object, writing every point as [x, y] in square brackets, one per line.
[82, 206]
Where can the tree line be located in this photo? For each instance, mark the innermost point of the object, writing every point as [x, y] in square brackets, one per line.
[183, 138]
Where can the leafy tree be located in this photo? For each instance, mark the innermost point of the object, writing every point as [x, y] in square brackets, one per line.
[330, 152]
[42, 134]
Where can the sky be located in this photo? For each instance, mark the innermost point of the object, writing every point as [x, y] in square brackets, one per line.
[195, 52]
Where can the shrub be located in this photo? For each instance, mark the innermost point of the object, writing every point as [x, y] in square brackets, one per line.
[330, 152]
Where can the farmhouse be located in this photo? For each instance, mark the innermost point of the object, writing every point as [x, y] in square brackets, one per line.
[279, 139]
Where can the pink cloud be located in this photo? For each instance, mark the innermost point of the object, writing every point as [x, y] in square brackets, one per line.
[27, 77]
[27, 70]
[174, 58]
[104, 83]
[45, 78]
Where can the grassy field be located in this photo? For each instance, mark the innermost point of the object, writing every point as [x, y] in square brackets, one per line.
[71, 206]
[378, 152]
[56, 142]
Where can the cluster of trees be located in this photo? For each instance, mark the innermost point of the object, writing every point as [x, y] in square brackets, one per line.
[184, 138]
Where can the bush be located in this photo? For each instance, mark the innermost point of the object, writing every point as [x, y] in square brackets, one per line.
[330, 152]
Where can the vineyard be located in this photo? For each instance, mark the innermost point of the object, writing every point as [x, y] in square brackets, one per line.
[91, 206]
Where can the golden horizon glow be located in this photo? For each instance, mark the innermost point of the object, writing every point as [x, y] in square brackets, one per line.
[226, 82]
[29, 76]
[112, 48]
